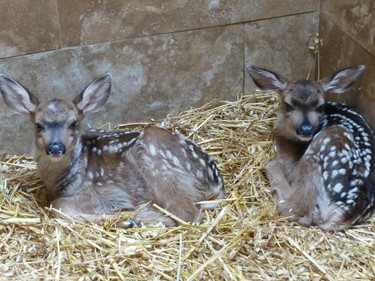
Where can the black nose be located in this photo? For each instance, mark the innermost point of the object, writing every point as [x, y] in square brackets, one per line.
[55, 148]
[306, 129]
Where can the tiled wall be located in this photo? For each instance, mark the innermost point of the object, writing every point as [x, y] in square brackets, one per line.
[348, 33]
[165, 56]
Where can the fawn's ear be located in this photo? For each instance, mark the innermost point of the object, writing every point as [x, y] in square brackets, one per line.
[265, 79]
[341, 81]
[16, 97]
[95, 95]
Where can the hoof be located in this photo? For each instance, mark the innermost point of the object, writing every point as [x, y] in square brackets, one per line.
[126, 224]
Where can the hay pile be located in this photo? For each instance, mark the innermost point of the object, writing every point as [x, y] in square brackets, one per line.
[244, 239]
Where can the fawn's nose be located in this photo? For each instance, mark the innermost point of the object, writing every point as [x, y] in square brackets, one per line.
[55, 148]
[306, 129]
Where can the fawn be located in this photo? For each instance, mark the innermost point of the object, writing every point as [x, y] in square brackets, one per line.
[323, 173]
[94, 174]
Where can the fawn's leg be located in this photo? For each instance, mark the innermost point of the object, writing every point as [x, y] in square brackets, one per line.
[75, 208]
[336, 219]
[306, 184]
[279, 184]
[149, 215]
[82, 208]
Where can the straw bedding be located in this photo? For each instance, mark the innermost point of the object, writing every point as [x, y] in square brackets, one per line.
[244, 239]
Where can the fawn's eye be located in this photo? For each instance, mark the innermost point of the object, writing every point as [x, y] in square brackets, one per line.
[320, 109]
[73, 125]
[39, 127]
[288, 107]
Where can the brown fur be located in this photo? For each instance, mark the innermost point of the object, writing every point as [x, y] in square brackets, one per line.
[95, 174]
[296, 174]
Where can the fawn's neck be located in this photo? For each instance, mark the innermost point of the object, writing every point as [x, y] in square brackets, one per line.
[290, 149]
[64, 177]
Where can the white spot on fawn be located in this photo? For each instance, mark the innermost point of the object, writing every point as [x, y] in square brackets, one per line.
[176, 162]
[199, 174]
[338, 188]
[194, 155]
[169, 154]
[188, 165]
[152, 149]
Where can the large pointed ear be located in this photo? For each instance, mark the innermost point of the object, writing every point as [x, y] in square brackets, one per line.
[342, 80]
[95, 95]
[16, 97]
[265, 79]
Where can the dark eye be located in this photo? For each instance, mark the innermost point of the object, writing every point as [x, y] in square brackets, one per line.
[288, 107]
[320, 109]
[73, 125]
[39, 127]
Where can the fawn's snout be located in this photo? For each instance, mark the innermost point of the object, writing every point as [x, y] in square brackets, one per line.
[55, 149]
[306, 129]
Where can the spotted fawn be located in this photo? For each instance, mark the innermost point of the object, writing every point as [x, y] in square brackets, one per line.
[90, 175]
[323, 173]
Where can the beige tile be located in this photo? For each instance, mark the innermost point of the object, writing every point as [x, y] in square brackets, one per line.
[152, 76]
[355, 17]
[340, 51]
[281, 45]
[87, 22]
[27, 27]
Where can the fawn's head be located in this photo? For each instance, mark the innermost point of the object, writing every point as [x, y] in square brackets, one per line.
[57, 122]
[302, 102]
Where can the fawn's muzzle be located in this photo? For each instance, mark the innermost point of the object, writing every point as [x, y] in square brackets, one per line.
[306, 129]
[55, 148]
